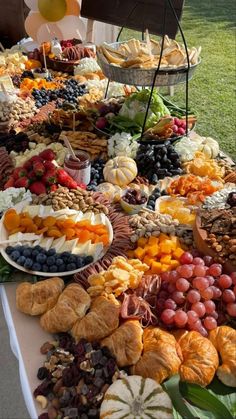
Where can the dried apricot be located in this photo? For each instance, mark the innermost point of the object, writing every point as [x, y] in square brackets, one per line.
[11, 220]
[54, 232]
[49, 221]
[70, 233]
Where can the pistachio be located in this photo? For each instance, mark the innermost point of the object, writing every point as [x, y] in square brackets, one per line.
[42, 401]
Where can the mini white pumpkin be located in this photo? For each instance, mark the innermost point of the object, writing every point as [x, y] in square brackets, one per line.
[210, 147]
[120, 171]
[135, 397]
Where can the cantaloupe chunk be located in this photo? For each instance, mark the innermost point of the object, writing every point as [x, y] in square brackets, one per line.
[163, 237]
[152, 250]
[166, 259]
[130, 254]
[174, 264]
[165, 268]
[148, 260]
[153, 240]
[166, 246]
[156, 267]
[142, 241]
[139, 253]
[178, 253]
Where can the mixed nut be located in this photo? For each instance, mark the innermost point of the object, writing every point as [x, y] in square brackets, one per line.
[17, 110]
[77, 199]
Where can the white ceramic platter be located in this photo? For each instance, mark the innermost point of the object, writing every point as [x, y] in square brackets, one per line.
[85, 248]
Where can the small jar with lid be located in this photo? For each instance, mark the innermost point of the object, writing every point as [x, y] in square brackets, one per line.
[79, 170]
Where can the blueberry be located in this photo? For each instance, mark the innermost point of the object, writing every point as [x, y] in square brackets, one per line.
[19, 249]
[21, 260]
[15, 255]
[59, 261]
[36, 266]
[51, 252]
[28, 263]
[72, 259]
[27, 252]
[61, 268]
[51, 260]
[65, 255]
[79, 262]
[41, 258]
[9, 250]
[45, 268]
[70, 266]
[53, 268]
[35, 253]
[151, 202]
[88, 259]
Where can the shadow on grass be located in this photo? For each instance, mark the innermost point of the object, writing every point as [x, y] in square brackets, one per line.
[211, 11]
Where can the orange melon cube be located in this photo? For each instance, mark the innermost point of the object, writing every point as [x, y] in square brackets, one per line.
[165, 267]
[152, 250]
[166, 259]
[156, 267]
[163, 237]
[174, 264]
[178, 253]
[153, 241]
[148, 260]
[166, 247]
[130, 254]
[142, 241]
[139, 253]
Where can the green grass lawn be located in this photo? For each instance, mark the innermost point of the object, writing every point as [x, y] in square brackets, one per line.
[210, 23]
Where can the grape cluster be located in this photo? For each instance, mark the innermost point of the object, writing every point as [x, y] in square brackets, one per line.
[96, 174]
[158, 161]
[196, 295]
[69, 93]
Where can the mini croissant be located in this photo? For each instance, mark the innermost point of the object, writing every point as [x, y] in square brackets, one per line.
[200, 358]
[130, 334]
[36, 299]
[101, 321]
[70, 307]
[224, 340]
[161, 356]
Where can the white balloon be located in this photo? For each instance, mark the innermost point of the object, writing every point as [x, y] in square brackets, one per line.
[32, 4]
[47, 32]
[72, 27]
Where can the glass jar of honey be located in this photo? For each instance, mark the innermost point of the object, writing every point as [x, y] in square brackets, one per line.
[79, 170]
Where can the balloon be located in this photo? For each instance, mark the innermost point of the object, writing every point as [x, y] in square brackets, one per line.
[47, 32]
[73, 7]
[32, 5]
[52, 10]
[72, 27]
[33, 21]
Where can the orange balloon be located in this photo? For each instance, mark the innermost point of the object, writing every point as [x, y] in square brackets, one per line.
[32, 23]
[72, 7]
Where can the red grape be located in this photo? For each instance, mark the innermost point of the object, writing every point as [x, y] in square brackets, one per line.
[215, 270]
[233, 277]
[182, 284]
[171, 288]
[199, 308]
[210, 279]
[193, 296]
[208, 260]
[200, 283]
[215, 315]
[234, 290]
[173, 276]
[181, 318]
[207, 294]
[165, 276]
[178, 297]
[163, 294]
[228, 296]
[160, 304]
[216, 291]
[209, 306]
[199, 270]
[167, 316]
[196, 325]
[203, 331]
[231, 309]
[169, 303]
[185, 271]
[198, 261]
[192, 317]
[210, 323]
[164, 285]
[186, 258]
[225, 281]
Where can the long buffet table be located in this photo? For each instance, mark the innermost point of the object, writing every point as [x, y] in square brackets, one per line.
[26, 337]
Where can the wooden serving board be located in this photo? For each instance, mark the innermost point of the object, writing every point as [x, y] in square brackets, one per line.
[200, 236]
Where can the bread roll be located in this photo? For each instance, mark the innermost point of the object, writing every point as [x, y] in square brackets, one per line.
[36, 299]
[130, 334]
[71, 306]
[101, 321]
[224, 340]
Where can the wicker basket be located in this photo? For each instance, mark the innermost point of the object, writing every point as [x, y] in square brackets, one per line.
[142, 77]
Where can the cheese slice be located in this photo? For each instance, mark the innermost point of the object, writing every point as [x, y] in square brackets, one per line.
[23, 237]
[46, 242]
[58, 243]
[45, 211]
[32, 210]
[69, 246]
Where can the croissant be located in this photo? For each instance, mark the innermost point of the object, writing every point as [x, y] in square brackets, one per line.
[101, 321]
[35, 299]
[200, 358]
[130, 334]
[71, 306]
[224, 340]
[161, 356]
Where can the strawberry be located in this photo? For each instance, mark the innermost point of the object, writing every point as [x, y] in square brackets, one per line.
[35, 159]
[38, 188]
[31, 176]
[38, 168]
[50, 177]
[47, 154]
[49, 165]
[19, 172]
[82, 186]
[71, 184]
[9, 183]
[63, 177]
[53, 188]
[27, 165]
[22, 182]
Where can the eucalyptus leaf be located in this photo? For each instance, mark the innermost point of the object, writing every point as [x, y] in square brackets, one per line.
[204, 399]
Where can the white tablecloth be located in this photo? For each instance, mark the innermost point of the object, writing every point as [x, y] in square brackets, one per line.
[26, 337]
